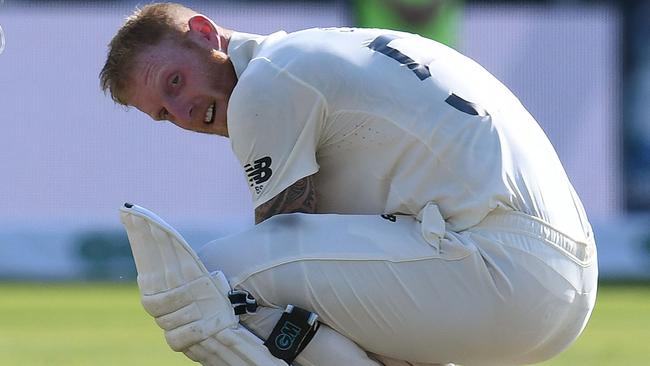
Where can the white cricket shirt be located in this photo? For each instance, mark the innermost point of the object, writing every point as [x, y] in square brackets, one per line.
[387, 122]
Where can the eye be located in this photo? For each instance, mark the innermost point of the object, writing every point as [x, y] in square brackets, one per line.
[175, 81]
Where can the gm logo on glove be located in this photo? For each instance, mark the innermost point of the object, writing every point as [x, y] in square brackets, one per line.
[288, 334]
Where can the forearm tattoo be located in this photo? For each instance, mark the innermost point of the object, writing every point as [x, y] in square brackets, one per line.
[299, 197]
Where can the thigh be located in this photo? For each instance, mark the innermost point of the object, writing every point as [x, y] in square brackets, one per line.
[288, 238]
[374, 280]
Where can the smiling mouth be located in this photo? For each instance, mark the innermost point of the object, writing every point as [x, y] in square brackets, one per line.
[209, 114]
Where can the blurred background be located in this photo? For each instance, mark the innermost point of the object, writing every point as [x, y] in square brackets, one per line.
[69, 157]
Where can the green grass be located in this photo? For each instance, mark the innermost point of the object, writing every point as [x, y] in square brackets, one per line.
[79, 325]
[104, 324]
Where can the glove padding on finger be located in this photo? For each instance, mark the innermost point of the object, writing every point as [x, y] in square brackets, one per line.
[190, 304]
[232, 347]
[191, 312]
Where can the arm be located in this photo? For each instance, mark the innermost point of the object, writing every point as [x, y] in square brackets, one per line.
[299, 197]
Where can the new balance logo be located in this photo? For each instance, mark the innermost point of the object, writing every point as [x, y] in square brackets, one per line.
[259, 172]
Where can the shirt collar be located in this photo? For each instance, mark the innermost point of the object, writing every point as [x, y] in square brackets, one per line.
[244, 47]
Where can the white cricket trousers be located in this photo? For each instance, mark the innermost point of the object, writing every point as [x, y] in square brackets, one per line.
[511, 290]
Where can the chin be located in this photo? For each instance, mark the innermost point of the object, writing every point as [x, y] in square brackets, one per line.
[214, 131]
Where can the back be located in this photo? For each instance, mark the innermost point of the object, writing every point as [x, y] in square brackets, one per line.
[394, 121]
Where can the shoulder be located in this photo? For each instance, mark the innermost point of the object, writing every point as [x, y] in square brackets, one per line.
[272, 103]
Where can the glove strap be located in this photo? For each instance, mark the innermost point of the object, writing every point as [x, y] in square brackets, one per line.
[242, 302]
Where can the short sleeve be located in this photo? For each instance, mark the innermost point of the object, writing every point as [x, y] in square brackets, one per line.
[274, 122]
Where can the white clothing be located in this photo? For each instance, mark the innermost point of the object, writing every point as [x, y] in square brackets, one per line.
[491, 258]
[511, 290]
[380, 140]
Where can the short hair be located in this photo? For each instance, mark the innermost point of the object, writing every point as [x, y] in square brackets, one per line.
[144, 28]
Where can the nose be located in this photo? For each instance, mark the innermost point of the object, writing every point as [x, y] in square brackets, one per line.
[180, 111]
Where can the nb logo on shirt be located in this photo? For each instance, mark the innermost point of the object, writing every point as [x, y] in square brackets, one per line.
[259, 172]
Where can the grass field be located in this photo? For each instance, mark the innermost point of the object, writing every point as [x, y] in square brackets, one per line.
[104, 324]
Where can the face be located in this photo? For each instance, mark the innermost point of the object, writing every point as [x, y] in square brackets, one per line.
[186, 84]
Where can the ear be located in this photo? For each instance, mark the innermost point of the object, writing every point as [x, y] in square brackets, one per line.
[203, 28]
